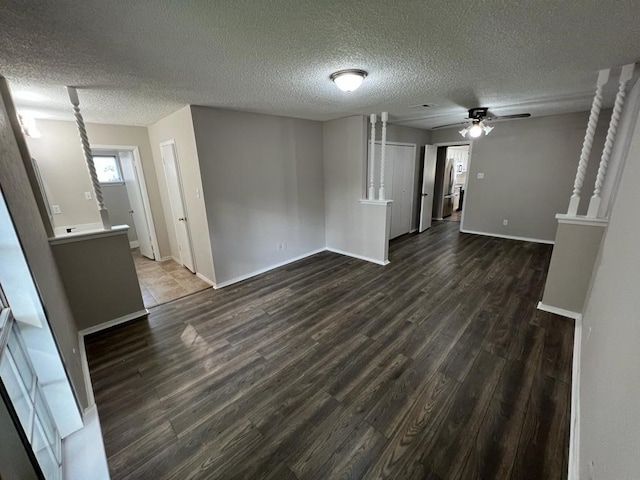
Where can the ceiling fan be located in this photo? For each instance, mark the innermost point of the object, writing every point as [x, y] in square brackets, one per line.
[476, 121]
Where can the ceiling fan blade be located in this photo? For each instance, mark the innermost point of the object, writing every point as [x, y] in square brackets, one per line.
[506, 117]
[450, 125]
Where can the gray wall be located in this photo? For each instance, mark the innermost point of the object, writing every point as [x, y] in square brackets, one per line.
[30, 229]
[569, 275]
[529, 167]
[117, 202]
[610, 370]
[263, 185]
[61, 162]
[179, 127]
[400, 134]
[100, 279]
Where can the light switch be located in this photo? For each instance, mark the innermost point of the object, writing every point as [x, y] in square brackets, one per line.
[480, 175]
[56, 209]
[87, 195]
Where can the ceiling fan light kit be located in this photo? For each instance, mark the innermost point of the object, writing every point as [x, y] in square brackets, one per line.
[348, 80]
[477, 126]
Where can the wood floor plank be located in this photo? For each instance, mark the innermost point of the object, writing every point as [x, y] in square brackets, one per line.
[437, 366]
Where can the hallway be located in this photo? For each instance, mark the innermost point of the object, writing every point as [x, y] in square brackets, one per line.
[162, 282]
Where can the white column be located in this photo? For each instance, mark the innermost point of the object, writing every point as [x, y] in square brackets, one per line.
[372, 157]
[383, 147]
[603, 78]
[88, 157]
[625, 76]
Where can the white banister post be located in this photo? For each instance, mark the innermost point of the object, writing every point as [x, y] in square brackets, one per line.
[88, 157]
[383, 147]
[603, 78]
[372, 157]
[625, 76]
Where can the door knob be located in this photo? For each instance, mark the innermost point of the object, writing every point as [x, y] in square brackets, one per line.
[131, 211]
[182, 219]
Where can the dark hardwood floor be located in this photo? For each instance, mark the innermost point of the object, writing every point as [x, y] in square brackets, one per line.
[437, 366]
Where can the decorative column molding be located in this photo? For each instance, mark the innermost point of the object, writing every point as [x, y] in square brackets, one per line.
[383, 147]
[88, 157]
[625, 76]
[372, 157]
[603, 78]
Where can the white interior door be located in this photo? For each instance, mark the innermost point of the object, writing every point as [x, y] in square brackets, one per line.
[176, 198]
[399, 177]
[428, 183]
[138, 214]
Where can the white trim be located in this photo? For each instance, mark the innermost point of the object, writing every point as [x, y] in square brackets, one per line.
[454, 144]
[509, 237]
[226, 283]
[86, 235]
[134, 244]
[366, 201]
[166, 259]
[116, 321]
[91, 401]
[581, 220]
[574, 429]
[360, 257]
[137, 165]
[559, 311]
[146, 203]
[205, 279]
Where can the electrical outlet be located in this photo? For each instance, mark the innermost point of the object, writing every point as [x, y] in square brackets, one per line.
[284, 245]
[481, 175]
[56, 209]
[87, 195]
[505, 222]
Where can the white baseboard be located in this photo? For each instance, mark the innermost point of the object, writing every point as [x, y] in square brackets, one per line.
[509, 237]
[134, 244]
[360, 257]
[574, 429]
[226, 283]
[208, 280]
[559, 311]
[166, 259]
[83, 352]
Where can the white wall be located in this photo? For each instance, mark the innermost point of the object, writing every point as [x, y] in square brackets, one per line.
[263, 186]
[179, 127]
[529, 166]
[610, 366]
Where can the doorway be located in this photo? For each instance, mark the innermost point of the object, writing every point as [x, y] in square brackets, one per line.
[176, 199]
[452, 163]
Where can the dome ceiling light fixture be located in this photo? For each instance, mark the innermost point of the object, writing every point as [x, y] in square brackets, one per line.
[348, 80]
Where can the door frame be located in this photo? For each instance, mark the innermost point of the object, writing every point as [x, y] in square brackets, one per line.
[413, 186]
[182, 199]
[466, 183]
[142, 184]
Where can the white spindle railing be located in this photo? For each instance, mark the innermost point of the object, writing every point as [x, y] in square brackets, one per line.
[625, 76]
[383, 147]
[603, 78]
[372, 157]
[88, 156]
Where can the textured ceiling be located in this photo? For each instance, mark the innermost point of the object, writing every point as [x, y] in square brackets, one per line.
[137, 61]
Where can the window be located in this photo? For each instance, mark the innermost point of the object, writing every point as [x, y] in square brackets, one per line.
[108, 169]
